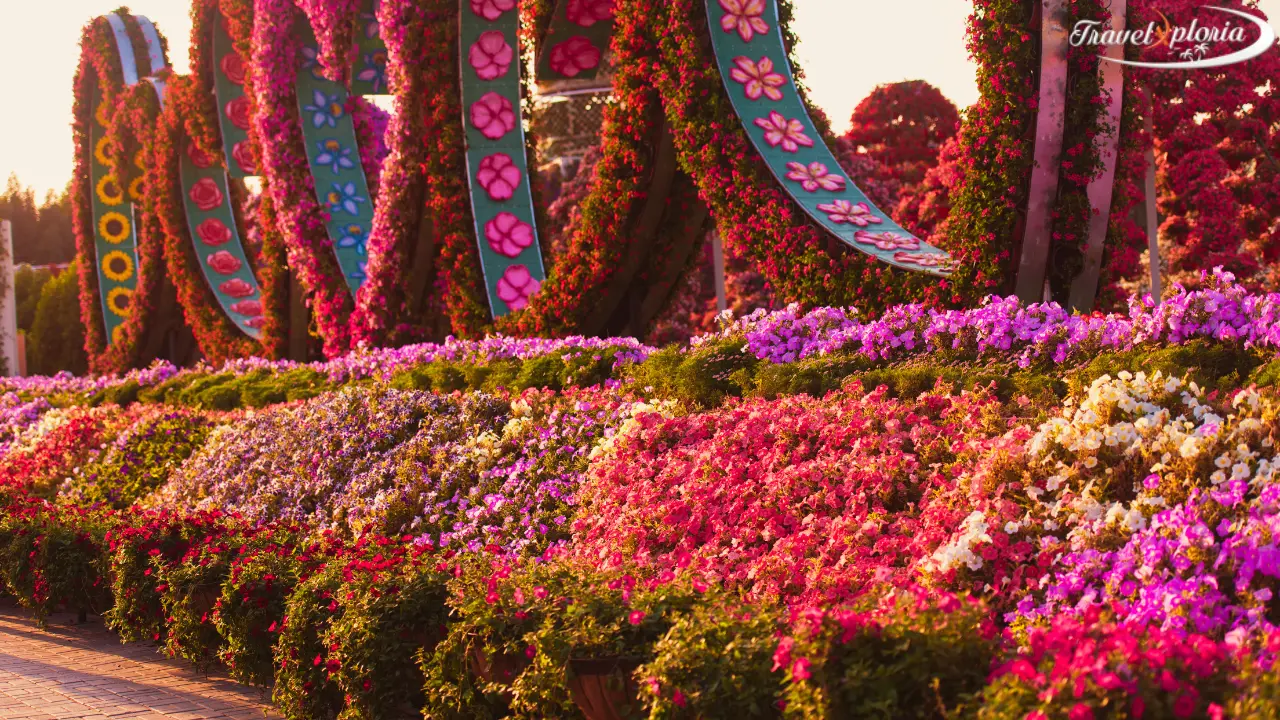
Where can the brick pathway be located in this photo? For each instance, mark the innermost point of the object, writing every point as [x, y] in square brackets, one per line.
[82, 672]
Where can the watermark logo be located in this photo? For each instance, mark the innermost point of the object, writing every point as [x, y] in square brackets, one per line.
[1188, 43]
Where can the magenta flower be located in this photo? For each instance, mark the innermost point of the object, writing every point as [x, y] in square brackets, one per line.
[814, 176]
[574, 55]
[508, 235]
[491, 56]
[491, 9]
[843, 211]
[499, 176]
[586, 13]
[921, 259]
[516, 286]
[493, 115]
[887, 240]
[778, 130]
[743, 16]
[636, 617]
[757, 78]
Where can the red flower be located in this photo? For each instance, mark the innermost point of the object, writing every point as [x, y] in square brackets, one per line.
[243, 154]
[198, 157]
[636, 617]
[574, 55]
[223, 262]
[205, 194]
[235, 287]
[238, 112]
[247, 307]
[233, 67]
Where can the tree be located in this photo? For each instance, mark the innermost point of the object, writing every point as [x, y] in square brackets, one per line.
[903, 125]
[42, 234]
[57, 334]
[27, 284]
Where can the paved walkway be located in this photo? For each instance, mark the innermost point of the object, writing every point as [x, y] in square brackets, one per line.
[82, 672]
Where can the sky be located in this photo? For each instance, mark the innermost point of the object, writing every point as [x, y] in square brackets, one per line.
[841, 67]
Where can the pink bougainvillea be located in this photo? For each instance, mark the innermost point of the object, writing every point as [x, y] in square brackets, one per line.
[757, 78]
[223, 262]
[787, 132]
[490, 56]
[585, 13]
[508, 235]
[516, 286]
[213, 232]
[499, 176]
[493, 115]
[574, 55]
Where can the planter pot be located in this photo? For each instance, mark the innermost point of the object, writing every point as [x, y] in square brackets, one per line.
[603, 688]
[499, 667]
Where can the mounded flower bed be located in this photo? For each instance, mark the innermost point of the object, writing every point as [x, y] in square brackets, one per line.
[1003, 512]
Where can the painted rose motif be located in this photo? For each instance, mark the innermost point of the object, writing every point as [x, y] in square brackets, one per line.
[843, 211]
[233, 67]
[238, 112]
[493, 115]
[223, 262]
[256, 322]
[744, 17]
[757, 78]
[778, 130]
[508, 235]
[574, 55]
[887, 240]
[491, 56]
[235, 287]
[499, 176]
[242, 153]
[923, 259]
[205, 194]
[585, 13]
[199, 158]
[516, 286]
[247, 307]
[491, 9]
[213, 232]
[814, 176]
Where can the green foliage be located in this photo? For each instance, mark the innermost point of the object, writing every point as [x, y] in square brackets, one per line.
[27, 284]
[251, 609]
[1213, 365]
[46, 562]
[701, 378]
[57, 333]
[141, 459]
[304, 684]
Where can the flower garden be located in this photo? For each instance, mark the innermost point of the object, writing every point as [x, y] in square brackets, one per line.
[387, 433]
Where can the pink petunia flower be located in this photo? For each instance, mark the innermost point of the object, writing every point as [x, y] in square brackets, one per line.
[843, 211]
[887, 240]
[778, 130]
[499, 176]
[585, 13]
[514, 288]
[743, 16]
[757, 78]
[508, 235]
[493, 115]
[574, 55]
[491, 9]
[636, 617]
[491, 55]
[814, 176]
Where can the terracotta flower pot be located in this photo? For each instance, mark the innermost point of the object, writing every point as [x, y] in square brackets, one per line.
[500, 667]
[603, 688]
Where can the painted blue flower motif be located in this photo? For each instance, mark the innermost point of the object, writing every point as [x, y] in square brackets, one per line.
[353, 239]
[359, 272]
[335, 156]
[370, 23]
[375, 70]
[325, 109]
[310, 61]
[344, 197]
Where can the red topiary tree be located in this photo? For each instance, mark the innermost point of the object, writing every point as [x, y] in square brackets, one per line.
[903, 125]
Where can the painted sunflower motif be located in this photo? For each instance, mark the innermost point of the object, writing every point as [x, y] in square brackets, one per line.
[119, 300]
[100, 151]
[117, 335]
[117, 265]
[100, 114]
[108, 190]
[114, 227]
[135, 189]
[139, 161]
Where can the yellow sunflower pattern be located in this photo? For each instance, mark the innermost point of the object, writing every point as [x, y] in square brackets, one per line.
[101, 114]
[117, 265]
[139, 161]
[114, 227]
[118, 301]
[109, 190]
[117, 335]
[100, 151]
[135, 189]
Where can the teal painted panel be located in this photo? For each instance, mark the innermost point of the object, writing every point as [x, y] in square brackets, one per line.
[757, 75]
[576, 40]
[501, 196]
[369, 66]
[233, 105]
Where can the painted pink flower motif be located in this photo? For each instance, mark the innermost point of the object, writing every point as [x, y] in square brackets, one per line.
[757, 78]
[233, 67]
[491, 9]
[213, 232]
[744, 17]
[493, 115]
[247, 307]
[778, 130]
[223, 262]
[585, 13]
[499, 176]
[242, 153]
[256, 322]
[516, 286]
[814, 176]
[574, 56]
[199, 158]
[237, 288]
[508, 235]
[491, 56]
[887, 240]
[238, 112]
[843, 211]
[205, 194]
[923, 259]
